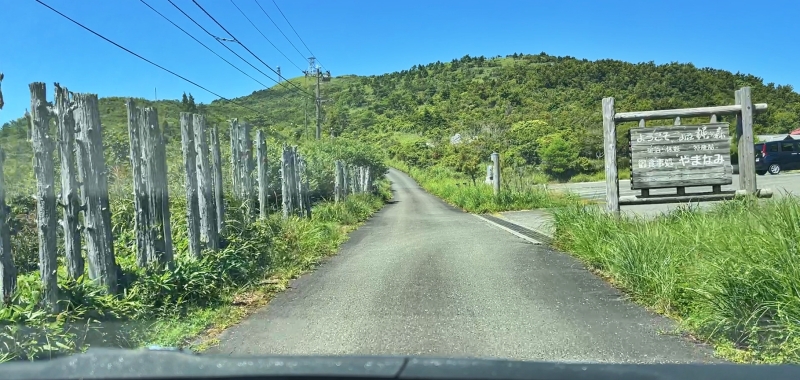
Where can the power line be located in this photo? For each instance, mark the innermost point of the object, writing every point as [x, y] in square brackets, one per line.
[205, 46]
[295, 32]
[279, 29]
[242, 45]
[143, 58]
[265, 37]
[219, 40]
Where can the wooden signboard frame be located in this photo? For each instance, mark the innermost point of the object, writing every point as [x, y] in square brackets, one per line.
[682, 156]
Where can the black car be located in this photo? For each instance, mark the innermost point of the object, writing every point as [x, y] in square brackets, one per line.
[777, 156]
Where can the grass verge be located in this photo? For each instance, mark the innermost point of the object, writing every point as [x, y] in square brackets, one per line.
[729, 275]
[196, 298]
[479, 198]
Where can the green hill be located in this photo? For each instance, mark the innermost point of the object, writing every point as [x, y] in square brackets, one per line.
[473, 96]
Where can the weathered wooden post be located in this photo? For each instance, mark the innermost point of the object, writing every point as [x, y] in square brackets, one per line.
[235, 158]
[286, 189]
[190, 167]
[8, 272]
[337, 182]
[263, 175]
[298, 182]
[610, 154]
[216, 169]
[361, 179]
[353, 175]
[208, 212]
[94, 193]
[369, 180]
[43, 167]
[140, 201]
[70, 200]
[246, 166]
[306, 188]
[162, 191]
[496, 172]
[154, 171]
[744, 132]
[344, 181]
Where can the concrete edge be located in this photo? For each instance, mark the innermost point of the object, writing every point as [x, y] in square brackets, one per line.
[515, 233]
[548, 235]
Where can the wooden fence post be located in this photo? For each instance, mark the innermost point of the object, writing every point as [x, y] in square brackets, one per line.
[302, 179]
[362, 177]
[8, 272]
[286, 189]
[94, 193]
[297, 183]
[70, 200]
[216, 168]
[190, 167]
[161, 186]
[353, 175]
[744, 129]
[245, 150]
[345, 180]
[140, 202]
[235, 158]
[337, 182]
[263, 175]
[208, 220]
[610, 154]
[368, 180]
[149, 134]
[45, 195]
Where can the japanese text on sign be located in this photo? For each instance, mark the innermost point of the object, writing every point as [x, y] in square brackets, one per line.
[682, 161]
[663, 148]
[702, 133]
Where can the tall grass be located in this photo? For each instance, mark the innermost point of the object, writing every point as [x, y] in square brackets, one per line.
[479, 198]
[731, 274]
[169, 306]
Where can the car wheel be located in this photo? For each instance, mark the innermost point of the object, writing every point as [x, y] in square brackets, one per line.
[774, 169]
[761, 172]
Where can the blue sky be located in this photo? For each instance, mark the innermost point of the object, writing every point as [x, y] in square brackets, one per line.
[372, 37]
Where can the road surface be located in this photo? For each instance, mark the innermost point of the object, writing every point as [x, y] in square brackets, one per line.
[780, 184]
[422, 278]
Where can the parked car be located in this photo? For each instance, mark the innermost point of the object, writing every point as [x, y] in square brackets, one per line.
[777, 156]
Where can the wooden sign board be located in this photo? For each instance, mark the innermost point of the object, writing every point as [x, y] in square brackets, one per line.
[680, 156]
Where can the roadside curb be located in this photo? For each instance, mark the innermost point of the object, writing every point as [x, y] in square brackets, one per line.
[530, 235]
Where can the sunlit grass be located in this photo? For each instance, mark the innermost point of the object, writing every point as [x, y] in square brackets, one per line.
[479, 197]
[731, 275]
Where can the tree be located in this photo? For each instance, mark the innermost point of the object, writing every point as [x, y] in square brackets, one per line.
[465, 158]
[192, 105]
[187, 103]
[558, 156]
[523, 138]
[338, 121]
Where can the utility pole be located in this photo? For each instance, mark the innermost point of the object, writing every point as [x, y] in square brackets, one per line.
[278, 69]
[1, 91]
[314, 70]
[319, 106]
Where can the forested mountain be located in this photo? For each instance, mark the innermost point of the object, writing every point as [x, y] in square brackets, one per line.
[473, 96]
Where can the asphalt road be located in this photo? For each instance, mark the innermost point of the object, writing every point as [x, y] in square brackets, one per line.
[422, 278]
[781, 185]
